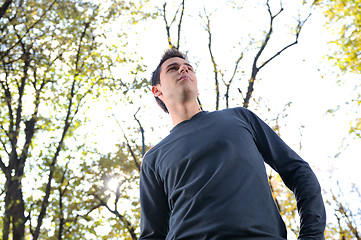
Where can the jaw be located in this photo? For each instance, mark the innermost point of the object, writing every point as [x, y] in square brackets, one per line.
[180, 96]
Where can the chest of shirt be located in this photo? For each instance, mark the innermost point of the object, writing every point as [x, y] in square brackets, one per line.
[198, 150]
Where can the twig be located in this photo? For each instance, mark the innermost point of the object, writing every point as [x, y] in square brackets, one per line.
[141, 131]
[129, 147]
[215, 66]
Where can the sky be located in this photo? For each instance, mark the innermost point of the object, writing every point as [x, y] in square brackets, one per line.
[301, 75]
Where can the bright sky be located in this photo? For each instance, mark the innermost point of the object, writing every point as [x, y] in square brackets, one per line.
[301, 75]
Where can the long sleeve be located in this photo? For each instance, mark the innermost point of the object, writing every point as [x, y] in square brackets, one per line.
[154, 206]
[297, 175]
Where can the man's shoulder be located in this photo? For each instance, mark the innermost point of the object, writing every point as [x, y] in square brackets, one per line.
[152, 151]
[152, 154]
[238, 111]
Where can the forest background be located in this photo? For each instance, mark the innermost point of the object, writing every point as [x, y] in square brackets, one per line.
[77, 114]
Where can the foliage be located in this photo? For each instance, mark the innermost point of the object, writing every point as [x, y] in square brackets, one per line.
[54, 56]
[343, 19]
[347, 212]
[114, 182]
[286, 203]
[346, 16]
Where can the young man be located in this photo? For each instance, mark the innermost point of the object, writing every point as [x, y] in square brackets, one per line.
[207, 179]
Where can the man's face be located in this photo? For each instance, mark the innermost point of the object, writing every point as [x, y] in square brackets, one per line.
[178, 82]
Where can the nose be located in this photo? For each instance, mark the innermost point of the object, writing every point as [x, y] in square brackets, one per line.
[183, 69]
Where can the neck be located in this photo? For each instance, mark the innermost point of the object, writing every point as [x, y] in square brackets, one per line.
[183, 112]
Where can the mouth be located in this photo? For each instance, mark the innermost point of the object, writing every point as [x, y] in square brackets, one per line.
[183, 78]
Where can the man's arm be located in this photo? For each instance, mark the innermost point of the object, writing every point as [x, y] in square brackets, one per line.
[296, 174]
[154, 206]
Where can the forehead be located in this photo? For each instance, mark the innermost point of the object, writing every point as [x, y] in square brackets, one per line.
[170, 61]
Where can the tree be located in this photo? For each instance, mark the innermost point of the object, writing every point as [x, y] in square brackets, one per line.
[52, 60]
[118, 175]
[343, 19]
[347, 212]
[114, 178]
[70, 208]
[346, 16]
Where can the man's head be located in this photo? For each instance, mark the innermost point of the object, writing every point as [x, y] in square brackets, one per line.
[172, 66]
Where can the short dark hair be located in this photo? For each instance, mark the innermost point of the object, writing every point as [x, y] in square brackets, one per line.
[170, 53]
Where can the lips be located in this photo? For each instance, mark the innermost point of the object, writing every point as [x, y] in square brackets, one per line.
[183, 77]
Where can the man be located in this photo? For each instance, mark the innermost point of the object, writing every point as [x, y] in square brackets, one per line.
[207, 179]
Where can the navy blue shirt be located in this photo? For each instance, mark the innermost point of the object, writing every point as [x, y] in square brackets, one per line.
[207, 180]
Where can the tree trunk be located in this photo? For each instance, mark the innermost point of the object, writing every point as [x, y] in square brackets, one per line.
[14, 210]
[6, 220]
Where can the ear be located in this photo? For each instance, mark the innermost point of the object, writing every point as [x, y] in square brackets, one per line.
[156, 91]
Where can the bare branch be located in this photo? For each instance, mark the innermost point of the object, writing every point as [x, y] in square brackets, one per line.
[240, 91]
[298, 31]
[117, 194]
[2, 142]
[136, 162]
[4, 168]
[199, 103]
[256, 69]
[5, 86]
[235, 68]
[30, 126]
[231, 80]
[215, 66]
[175, 16]
[128, 224]
[168, 26]
[14, 128]
[142, 132]
[268, 35]
[21, 85]
[179, 25]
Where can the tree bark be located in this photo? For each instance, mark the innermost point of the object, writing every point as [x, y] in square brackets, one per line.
[14, 210]
[4, 7]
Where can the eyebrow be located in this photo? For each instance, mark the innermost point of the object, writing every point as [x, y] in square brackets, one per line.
[176, 64]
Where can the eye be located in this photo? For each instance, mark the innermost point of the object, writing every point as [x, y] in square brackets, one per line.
[172, 68]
